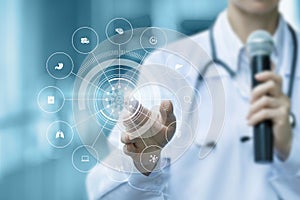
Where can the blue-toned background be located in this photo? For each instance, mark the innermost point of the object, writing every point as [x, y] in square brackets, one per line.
[30, 31]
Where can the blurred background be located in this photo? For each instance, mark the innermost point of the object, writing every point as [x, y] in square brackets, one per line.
[30, 31]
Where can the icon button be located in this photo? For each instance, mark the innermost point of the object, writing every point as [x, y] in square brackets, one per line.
[153, 40]
[59, 66]
[181, 68]
[150, 154]
[153, 158]
[84, 40]
[60, 134]
[178, 66]
[190, 98]
[85, 158]
[51, 100]
[187, 99]
[120, 31]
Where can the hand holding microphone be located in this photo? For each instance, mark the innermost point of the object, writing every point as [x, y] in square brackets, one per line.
[270, 108]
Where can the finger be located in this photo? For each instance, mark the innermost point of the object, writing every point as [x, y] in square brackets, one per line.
[129, 149]
[133, 145]
[263, 102]
[161, 137]
[139, 115]
[262, 115]
[130, 126]
[273, 67]
[268, 75]
[267, 88]
[166, 112]
[139, 144]
[125, 138]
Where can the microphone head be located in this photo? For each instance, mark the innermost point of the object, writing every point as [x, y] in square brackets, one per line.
[259, 43]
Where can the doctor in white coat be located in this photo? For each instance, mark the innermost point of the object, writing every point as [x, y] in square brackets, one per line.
[229, 172]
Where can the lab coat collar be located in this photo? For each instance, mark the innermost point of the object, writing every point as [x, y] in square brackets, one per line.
[230, 48]
[278, 39]
[228, 45]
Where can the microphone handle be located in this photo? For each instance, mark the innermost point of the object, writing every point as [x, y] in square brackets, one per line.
[263, 134]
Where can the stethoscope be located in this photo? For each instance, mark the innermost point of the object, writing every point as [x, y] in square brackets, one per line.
[215, 60]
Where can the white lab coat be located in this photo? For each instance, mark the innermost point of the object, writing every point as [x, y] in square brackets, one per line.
[229, 172]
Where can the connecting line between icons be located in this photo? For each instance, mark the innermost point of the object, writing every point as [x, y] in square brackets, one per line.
[76, 124]
[87, 81]
[119, 62]
[71, 99]
[99, 134]
[104, 73]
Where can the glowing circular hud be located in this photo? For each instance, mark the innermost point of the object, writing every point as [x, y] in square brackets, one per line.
[112, 88]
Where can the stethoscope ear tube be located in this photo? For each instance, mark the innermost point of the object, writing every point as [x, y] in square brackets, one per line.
[294, 61]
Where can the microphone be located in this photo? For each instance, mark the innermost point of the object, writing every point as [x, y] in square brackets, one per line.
[259, 47]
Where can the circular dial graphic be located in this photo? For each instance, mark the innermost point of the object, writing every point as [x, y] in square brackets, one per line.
[135, 70]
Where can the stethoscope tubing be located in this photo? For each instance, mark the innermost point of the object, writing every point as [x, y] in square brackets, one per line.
[217, 61]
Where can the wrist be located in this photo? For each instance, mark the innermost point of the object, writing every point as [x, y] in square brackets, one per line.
[283, 150]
